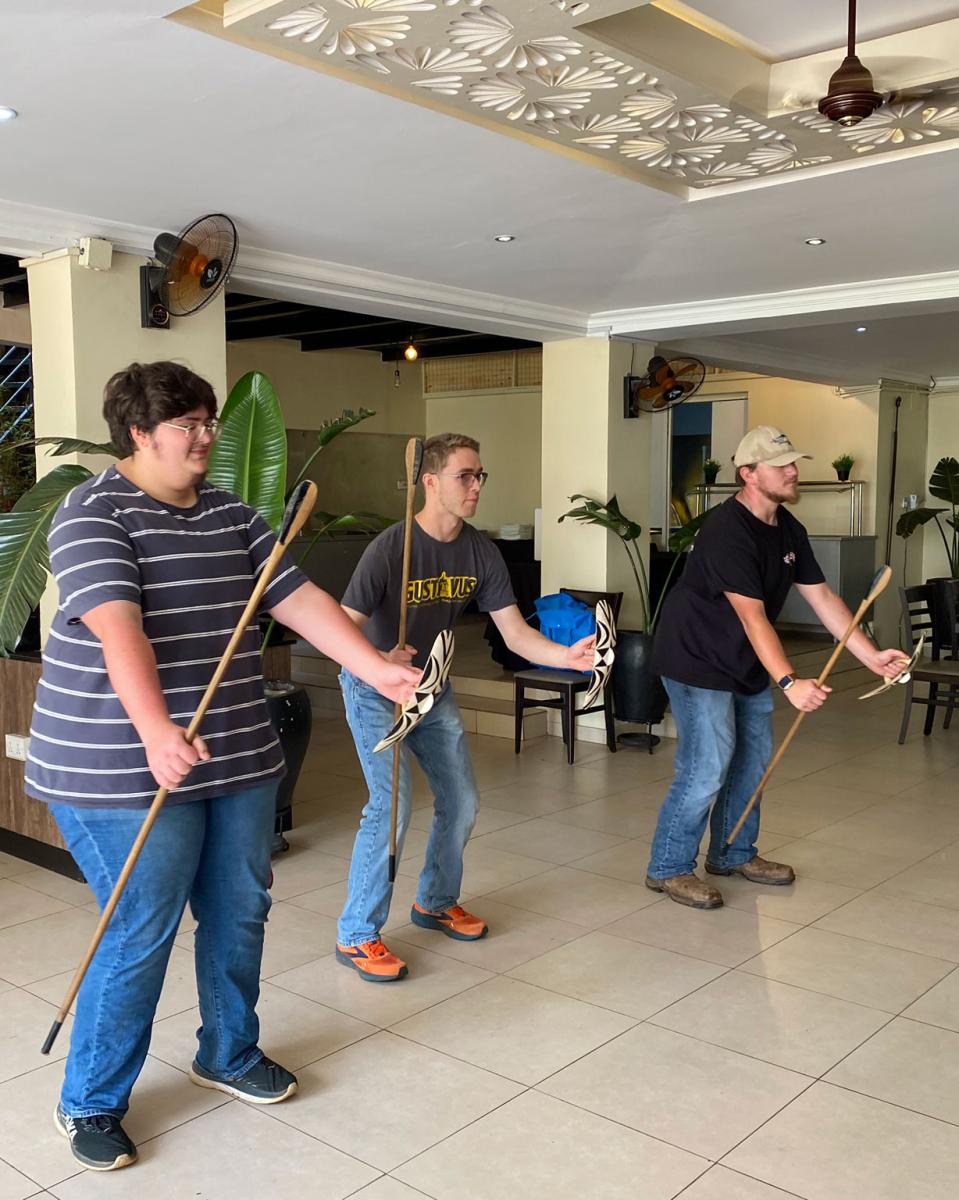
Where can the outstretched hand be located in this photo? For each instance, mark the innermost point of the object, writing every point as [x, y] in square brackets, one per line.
[579, 656]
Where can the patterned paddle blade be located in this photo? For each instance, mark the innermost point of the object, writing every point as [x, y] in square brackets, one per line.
[603, 656]
[904, 675]
[419, 704]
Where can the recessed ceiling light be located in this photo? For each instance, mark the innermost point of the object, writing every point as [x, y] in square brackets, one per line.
[860, 329]
[815, 241]
[7, 114]
[505, 237]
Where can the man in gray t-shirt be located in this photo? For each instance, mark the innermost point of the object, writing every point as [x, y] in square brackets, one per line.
[450, 564]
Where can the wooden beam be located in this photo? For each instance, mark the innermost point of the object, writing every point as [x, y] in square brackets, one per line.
[314, 320]
[376, 336]
[460, 346]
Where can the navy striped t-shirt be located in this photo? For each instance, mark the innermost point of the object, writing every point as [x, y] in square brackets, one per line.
[191, 571]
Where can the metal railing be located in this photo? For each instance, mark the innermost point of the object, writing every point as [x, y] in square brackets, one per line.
[16, 384]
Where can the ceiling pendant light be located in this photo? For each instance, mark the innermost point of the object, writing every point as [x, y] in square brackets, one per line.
[852, 96]
[411, 354]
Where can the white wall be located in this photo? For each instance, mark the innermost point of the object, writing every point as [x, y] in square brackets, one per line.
[508, 426]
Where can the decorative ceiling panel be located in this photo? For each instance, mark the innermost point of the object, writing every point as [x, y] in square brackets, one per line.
[539, 66]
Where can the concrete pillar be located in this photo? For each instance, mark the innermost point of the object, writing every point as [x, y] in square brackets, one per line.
[85, 325]
[590, 448]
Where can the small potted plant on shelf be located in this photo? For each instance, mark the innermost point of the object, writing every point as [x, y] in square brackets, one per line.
[711, 469]
[842, 466]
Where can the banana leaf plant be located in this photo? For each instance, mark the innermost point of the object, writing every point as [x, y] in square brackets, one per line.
[944, 485]
[249, 459]
[610, 517]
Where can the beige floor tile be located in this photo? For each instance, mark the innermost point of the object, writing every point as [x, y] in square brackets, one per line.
[798, 808]
[5, 986]
[926, 882]
[599, 778]
[40, 948]
[24, 1022]
[388, 1188]
[630, 814]
[514, 1029]
[922, 928]
[529, 797]
[858, 775]
[837, 864]
[789, 1026]
[294, 1031]
[231, 1154]
[726, 936]
[161, 1099]
[830, 1143]
[10, 866]
[515, 936]
[616, 973]
[14, 1186]
[940, 1005]
[316, 782]
[910, 1064]
[538, 1148]
[699, 1097]
[432, 978]
[627, 861]
[418, 1098]
[301, 871]
[801, 902]
[549, 840]
[849, 968]
[486, 869]
[891, 830]
[19, 904]
[577, 896]
[719, 1183]
[329, 901]
[53, 884]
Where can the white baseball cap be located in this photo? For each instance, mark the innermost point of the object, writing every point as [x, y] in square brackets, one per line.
[766, 444]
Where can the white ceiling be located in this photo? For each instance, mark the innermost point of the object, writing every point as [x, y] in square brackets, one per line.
[134, 121]
[788, 30]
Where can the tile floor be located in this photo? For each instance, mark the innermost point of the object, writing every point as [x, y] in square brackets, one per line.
[602, 1043]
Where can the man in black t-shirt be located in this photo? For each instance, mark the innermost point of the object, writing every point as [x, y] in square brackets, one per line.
[716, 650]
[451, 563]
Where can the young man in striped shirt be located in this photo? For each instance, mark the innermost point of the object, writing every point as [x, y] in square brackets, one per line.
[155, 567]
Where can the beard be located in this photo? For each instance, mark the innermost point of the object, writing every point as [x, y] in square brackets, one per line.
[789, 493]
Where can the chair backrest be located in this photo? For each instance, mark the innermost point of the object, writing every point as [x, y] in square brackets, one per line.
[918, 617]
[614, 599]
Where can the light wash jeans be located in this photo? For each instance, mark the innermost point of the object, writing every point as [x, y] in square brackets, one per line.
[439, 746]
[725, 743]
[214, 853]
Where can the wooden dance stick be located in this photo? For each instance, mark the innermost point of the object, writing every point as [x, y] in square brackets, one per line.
[414, 461]
[875, 588]
[297, 512]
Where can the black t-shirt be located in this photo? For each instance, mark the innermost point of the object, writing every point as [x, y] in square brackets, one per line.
[699, 639]
[444, 577]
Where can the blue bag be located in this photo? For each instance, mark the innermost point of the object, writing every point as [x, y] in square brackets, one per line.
[564, 620]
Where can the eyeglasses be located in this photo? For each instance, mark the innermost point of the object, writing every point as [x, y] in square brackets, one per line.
[467, 477]
[213, 428]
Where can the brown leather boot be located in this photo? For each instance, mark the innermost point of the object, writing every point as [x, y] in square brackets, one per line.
[758, 870]
[687, 889]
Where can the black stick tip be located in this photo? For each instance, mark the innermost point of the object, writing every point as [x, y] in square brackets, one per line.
[392, 868]
[51, 1037]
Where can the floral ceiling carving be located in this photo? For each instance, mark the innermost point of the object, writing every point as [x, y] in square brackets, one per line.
[536, 66]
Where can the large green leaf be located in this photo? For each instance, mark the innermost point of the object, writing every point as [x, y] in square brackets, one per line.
[64, 445]
[944, 481]
[249, 459]
[608, 516]
[331, 429]
[24, 555]
[913, 518]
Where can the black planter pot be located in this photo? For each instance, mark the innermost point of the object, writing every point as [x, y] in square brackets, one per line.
[638, 694]
[842, 476]
[292, 718]
[944, 615]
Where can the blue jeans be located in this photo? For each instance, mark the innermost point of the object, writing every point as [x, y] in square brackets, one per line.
[725, 743]
[214, 853]
[439, 745]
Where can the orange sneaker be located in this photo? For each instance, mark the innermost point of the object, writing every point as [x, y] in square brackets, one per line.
[455, 922]
[374, 962]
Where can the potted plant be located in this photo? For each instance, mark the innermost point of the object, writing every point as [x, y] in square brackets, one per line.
[638, 693]
[842, 466]
[711, 469]
[943, 485]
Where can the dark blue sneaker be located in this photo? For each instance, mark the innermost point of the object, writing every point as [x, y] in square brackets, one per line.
[97, 1142]
[266, 1082]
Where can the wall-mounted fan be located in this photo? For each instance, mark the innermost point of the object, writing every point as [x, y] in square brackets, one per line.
[664, 385]
[191, 268]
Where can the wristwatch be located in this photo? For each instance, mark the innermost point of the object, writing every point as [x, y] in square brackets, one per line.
[786, 682]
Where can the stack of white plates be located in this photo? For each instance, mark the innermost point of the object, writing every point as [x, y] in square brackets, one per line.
[514, 533]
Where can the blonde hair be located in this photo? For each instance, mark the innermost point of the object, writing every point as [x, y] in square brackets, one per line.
[437, 450]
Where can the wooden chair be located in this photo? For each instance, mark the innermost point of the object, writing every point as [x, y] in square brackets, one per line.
[918, 619]
[567, 685]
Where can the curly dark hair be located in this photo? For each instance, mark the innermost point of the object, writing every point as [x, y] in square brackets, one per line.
[144, 394]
